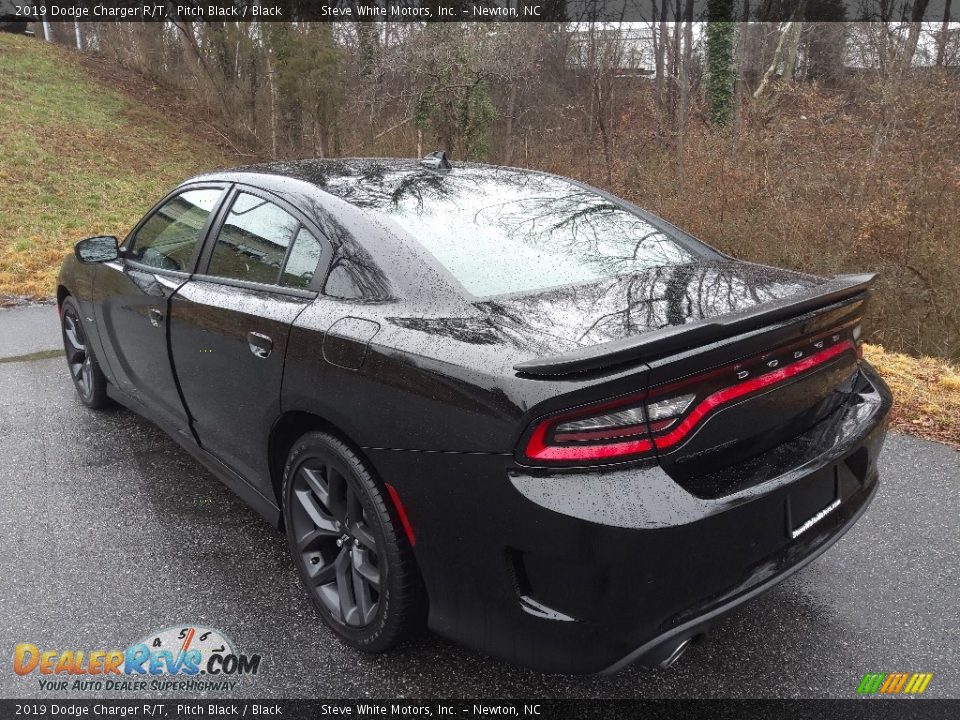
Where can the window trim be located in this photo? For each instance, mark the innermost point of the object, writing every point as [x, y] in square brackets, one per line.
[323, 265]
[129, 242]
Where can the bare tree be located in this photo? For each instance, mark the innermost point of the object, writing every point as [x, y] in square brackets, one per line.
[659, 51]
[943, 35]
[917, 9]
[785, 56]
[686, 72]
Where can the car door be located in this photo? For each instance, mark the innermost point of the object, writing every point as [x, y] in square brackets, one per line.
[230, 322]
[134, 293]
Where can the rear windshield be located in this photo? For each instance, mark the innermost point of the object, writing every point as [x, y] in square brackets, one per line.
[500, 232]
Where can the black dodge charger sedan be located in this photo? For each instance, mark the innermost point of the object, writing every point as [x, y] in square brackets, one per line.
[504, 404]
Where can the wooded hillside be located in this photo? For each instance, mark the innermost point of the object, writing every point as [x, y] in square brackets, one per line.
[827, 147]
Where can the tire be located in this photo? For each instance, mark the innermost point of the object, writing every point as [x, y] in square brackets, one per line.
[353, 556]
[88, 379]
[9, 23]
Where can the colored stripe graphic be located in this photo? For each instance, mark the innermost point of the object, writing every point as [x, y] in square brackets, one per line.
[894, 683]
[871, 683]
[918, 683]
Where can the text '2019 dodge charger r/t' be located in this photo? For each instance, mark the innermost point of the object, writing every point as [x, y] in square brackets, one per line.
[508, 405]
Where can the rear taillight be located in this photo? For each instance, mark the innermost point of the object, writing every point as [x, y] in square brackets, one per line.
[637, 426]
[610, 426]
[623, 423]
[594, 434]
[605, 432]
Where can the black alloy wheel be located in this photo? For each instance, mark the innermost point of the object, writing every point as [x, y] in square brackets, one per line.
[350, 550]
[335, 543]
[87, 378]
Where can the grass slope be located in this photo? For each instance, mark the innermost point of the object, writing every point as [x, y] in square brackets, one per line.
[926, 393]
[77, 158]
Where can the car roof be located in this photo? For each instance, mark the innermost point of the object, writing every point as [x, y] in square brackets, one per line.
[374, 183]
[350, 209]
[361, 191]
[364, 194]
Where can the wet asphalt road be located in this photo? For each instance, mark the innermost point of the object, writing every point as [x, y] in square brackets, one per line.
[111, 531]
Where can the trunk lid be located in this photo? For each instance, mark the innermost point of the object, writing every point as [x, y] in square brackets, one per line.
[756, 355]
[635, 318]
[752, 392]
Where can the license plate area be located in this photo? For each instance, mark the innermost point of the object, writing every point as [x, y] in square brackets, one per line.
[811, 501]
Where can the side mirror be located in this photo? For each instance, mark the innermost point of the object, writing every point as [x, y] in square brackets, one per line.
[97, 249]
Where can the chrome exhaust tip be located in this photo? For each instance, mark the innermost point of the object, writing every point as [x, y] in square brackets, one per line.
[675, 655]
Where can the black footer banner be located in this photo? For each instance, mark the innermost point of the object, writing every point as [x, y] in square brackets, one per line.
[854, 709]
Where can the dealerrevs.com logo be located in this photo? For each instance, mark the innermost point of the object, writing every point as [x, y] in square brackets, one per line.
[190, 658]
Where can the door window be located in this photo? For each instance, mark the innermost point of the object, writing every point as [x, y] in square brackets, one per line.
[303, 261]
[168, 238]
[253, 241]
[254, 245]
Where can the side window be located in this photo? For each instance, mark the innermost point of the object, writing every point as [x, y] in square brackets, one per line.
[343, 281]
[355, 276]
[253, 241]
[303, 260]
[168, 238]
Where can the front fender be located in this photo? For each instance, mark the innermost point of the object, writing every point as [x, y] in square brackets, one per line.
[79, 280]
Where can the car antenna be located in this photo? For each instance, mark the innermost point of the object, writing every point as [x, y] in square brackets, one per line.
[437, 160]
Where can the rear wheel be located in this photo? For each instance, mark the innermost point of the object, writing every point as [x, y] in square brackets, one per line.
[348, 546]
[87, 377]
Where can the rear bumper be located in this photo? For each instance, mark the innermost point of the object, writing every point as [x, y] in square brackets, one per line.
[586, 572]
[660, 647]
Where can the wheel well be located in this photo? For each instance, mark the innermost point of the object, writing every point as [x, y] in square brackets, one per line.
[62, 294]
[289, 428]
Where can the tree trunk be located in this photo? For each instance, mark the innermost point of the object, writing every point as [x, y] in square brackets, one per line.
[189, 43]
[917, 10]
[660, 38]
[786, 53]
[273, 106]
[685, 71]
[601, 94]
[740, 90]
[511, 110]
[676, 56]
[721, 74]
[790, 53]
[943, 35]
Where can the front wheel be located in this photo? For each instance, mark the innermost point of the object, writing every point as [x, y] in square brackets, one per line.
[348, 546]
[87, 377]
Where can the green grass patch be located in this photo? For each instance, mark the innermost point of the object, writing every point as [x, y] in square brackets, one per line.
[77, 158]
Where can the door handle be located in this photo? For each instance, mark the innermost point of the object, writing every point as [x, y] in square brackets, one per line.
[260, 345]
[156, 317]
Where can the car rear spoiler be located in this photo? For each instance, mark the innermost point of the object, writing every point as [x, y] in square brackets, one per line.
[680, 337]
